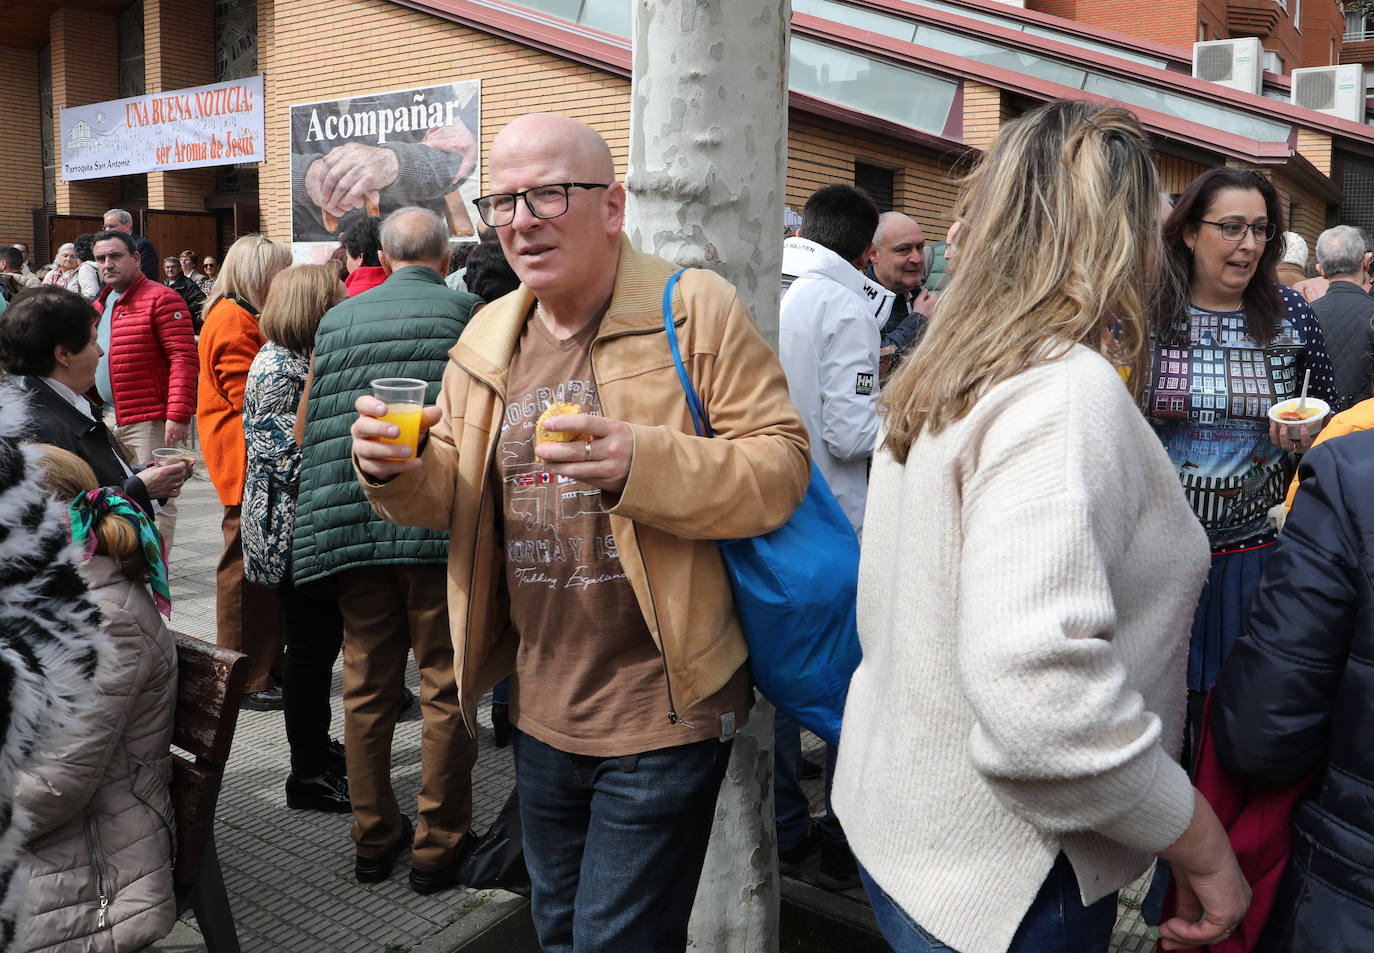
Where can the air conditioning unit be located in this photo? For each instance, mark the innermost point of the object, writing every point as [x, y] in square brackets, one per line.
[1335, 90]
[1236, 63]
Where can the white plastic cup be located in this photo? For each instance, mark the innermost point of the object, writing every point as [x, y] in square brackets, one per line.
[404, 398]
[1316, 408]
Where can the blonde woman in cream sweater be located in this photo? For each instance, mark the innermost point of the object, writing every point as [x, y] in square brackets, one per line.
[1008, 758]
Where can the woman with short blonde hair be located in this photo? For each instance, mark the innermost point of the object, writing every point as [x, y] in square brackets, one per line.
[253, 261]
[248, 616]
[1008, 759]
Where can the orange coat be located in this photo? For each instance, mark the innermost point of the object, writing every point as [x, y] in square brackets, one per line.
[1357, 418]
[229, 341]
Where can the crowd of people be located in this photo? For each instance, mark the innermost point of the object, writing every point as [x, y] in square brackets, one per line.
[1089, 555]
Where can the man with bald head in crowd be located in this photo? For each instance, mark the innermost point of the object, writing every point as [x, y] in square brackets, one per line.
[899, 265]
[582, 556]
[390, 580]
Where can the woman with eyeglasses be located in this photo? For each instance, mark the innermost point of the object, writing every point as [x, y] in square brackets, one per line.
[1228, 342]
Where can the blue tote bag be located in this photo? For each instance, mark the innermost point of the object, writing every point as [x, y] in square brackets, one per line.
[795, 591]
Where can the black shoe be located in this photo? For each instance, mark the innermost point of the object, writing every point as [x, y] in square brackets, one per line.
[426, 882]
[373, 870]
[500, 724]
[269, 699]
[334, 755]
[408, 700]
[839, 870]
[328, 794]
[791, 858]
[810, 770]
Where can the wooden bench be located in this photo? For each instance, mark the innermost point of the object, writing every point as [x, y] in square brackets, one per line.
[209, 682]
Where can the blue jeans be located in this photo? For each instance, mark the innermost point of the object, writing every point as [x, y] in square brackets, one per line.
[790, 804]
[1057, 921]
[615, 846]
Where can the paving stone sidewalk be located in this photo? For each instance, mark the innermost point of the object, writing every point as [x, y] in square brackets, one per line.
[290, 873]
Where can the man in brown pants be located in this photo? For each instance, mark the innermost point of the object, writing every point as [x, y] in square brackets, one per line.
[391, 581]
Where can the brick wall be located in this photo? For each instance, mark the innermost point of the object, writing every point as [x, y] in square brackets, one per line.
[179, 52]
[351, 47]
[818, 155]
[21, 144]
[1176, 23]
[343, 48]
[1315, 147]
[1176, 173]
[85, 69]
[983, 113]
[1322, 26]
[1164, 21]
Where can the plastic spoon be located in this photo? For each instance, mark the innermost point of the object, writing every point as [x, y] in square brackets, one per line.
[1302, 400]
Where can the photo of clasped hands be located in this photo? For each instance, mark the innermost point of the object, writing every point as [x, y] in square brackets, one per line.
[599, 458]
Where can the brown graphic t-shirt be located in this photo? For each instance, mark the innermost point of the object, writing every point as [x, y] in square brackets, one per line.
[588, 676]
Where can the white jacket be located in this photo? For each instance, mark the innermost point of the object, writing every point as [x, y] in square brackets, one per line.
[828, 332]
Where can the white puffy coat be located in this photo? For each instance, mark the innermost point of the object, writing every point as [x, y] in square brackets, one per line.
[828, 338]
[101, 827]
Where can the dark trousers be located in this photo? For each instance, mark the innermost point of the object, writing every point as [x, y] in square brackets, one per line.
[614, 846]
[247, 616]
[314, 635]
[792, 808]
[387, 612]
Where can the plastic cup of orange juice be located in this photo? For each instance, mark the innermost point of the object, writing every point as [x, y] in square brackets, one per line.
[404, 397]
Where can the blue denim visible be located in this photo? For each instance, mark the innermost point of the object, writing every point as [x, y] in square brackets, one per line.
[1057, 921]
[790, 804]
[615, 846]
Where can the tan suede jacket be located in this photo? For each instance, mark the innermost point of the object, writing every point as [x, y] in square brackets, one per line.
[683, 491]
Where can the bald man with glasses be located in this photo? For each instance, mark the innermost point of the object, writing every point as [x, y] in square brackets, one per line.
[586, 565]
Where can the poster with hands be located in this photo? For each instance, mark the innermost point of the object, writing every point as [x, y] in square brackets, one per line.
[372, 154]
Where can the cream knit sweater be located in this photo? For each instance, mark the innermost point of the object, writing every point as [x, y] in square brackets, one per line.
[1026, 589]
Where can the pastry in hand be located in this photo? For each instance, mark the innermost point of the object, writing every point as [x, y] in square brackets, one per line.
[549, 436]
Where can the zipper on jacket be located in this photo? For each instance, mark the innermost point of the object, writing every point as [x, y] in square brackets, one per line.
[98, 866]
[673, 718]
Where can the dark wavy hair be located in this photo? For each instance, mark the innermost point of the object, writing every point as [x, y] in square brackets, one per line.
[1262, 299]
[36, 322]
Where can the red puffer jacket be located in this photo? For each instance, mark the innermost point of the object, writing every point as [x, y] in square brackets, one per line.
[153, 361]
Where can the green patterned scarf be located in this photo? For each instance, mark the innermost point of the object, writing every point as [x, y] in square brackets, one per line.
[86, 510]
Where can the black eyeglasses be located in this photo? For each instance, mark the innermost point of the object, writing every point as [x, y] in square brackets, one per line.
[1235, 231]
[543, 201]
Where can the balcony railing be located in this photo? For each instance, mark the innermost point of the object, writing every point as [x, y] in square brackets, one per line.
[1358, 36]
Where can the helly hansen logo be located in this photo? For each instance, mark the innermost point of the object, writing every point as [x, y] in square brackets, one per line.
[864, 385]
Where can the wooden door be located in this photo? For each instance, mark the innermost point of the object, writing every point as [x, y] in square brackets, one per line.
[174, 232]
[65, 228]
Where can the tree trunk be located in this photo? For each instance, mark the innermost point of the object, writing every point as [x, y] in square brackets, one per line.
[708, 140]
[708, 161]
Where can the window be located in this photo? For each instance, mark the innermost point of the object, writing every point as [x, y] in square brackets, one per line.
[1359, 27]
[876, 181]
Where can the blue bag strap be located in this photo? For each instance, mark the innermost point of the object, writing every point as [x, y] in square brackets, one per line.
[699, 421]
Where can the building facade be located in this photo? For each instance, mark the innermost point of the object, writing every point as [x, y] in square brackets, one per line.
[895, 96]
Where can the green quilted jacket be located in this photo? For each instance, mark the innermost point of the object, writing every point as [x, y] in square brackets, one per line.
[404, 327]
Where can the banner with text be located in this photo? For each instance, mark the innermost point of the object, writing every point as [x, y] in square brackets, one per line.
[372, 154]
[220, 124]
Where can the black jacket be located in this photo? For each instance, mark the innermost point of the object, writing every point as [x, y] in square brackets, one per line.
[54, 421]
[1344, 313]
[1297, 694]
